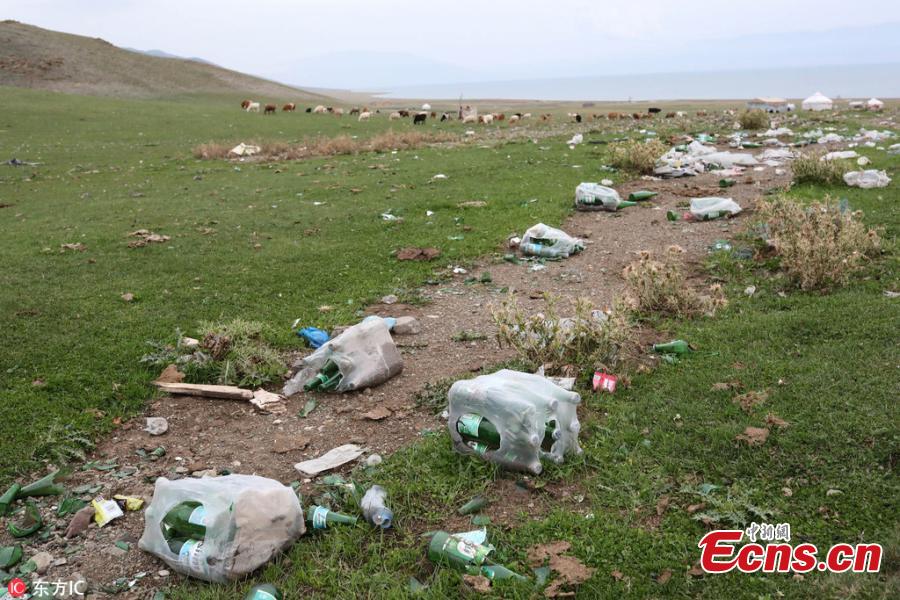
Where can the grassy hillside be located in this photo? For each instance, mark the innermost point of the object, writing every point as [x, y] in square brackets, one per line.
[39, 58]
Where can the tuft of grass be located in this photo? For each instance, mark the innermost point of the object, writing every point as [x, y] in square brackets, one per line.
[240, 354]
[659, 285]
[754, 119]
[809, 168]
[338, 145]
[637, 156]
[818, 245]
[590, 338]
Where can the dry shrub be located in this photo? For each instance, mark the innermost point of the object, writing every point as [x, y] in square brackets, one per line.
[590, 337]
[637, 156]
[660, 286]
[819, 245]
[809, 168]
[754, 119]
[329, 146]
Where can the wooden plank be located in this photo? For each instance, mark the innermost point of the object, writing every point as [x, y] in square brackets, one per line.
[228, 392]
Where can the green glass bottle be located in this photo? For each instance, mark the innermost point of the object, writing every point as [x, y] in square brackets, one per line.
[673, 347]
[641, 195]
[185, 520]
[328, 377]
[320, 517]
[624, 204]
[481, 435]
[463, 555]
[190, 553]
[725, 183]
[496, 572]
[671, 215]
[266, 591]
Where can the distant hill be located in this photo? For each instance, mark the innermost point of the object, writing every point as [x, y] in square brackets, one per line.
[39, 58]
[163, 54]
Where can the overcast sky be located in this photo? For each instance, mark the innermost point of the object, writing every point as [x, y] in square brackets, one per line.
[477, 38]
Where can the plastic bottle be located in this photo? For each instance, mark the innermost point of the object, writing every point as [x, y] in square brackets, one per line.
[673, 347]
[185, 520]
[374, 509]
[535, 249]
[266, 591]
[321, 517]
[641, 195]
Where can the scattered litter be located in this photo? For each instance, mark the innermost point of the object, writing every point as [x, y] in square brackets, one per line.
[459, 271]
[474, 505]
[604, 382]
[673, 347]
[105, 511]
[227, 392]
[462, 554]
[313, 336]
[77, 247]
[320, 517]
[243, 149]
[307, 408]
[10, 556]
[330, 460]
[364, 355]
[750, 290]
[374, 508]
[390, 217]
[156, 425]
[576, 139]
[129, 503]
[513, 419]
[418, 253]
[80, 521]
[440, 176]
[863, 161]
[542, 240]
[843, 154]
[268, 402]
[205, 527]
[867, 179]
[606, 182]
[146, 237]
[373, 460]
[265, 591]
[707, 209]
[591, 196]
[831, 138]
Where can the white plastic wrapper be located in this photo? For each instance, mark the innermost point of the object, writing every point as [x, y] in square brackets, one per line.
[519, 405]
[868, 179]
[728, 160]
[248, 521]
[593, 196]
[365, 354]
[843, 154]
[713, 208]
[562, 244]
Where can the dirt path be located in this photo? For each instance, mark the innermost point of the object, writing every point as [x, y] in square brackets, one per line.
[211, 434]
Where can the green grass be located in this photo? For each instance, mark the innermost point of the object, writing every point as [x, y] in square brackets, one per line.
[63, 322]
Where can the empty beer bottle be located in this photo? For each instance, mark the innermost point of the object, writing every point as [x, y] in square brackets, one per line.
[641, 195]
[190, 553]
[328, 377]
[496, 572]
[481, 435]
[724, 183]
[185, 520]
[266, 591]
[671, 215]
[673, 347]
[464, 555]
[320, 517]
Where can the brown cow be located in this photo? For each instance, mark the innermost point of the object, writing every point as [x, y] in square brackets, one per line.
[355, 110]
[670, 115]
[433, 115]
[245, 104]
[701, 113]
[289, 107]
[270, 109]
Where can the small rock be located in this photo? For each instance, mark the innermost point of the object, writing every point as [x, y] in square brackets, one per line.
[205, 473]
[170, 374]
[606, 182]
[156, 425]
[164, 573]
[80, 521]
[377, 414]
[181, 470]
[407, 326]
[189, 342]
[750, 290]
[42, 562]
[389, 299]
[373, 460]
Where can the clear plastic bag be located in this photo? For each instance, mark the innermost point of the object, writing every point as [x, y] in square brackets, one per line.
[248, 520]
[365, 354]
[869, 179]
[706, 209]
[525, 409]
[593, 196]
[542, 240]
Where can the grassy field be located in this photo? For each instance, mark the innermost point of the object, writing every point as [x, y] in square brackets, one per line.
[274, 242]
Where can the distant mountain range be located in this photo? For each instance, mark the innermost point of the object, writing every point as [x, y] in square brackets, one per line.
[39, 58]
[164, 54]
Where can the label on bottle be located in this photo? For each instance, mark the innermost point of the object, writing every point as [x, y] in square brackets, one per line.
[191, 556]
[468, 424]
[198, 516]
[478, 447]
[320, 518]
[262, 595]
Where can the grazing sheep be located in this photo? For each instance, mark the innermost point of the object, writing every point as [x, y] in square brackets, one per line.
[253, 107]
[546, 117]
[394, 116]
[320, 110]
[338, 112]
[513, 119]
[701, 113]
[487, 119]
[470, 119]
[526, 116]
[364, 116]
[446, 117]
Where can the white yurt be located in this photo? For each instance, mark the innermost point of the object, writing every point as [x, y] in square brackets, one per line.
[818, 101]
[874, 104]
[426, 106]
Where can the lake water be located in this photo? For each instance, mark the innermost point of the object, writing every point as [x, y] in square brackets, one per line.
[856, 81]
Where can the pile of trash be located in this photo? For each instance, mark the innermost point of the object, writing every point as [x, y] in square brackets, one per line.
[549, 242]
[695, 158]
[867, 179]
[707, 209]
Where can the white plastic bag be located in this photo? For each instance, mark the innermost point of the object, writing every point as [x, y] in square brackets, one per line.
[844, 154]
[520, 406]
[542, 240]
[365, 354]
[706, 209]
[868, 179]
[592, 196]
[248, 521]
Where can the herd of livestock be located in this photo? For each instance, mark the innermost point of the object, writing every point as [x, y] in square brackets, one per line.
[465, 114]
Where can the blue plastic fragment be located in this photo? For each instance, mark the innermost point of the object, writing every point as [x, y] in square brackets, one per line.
[314, 336]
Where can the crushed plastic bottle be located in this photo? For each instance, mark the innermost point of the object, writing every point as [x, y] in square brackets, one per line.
[374, 508]
[266, 591]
